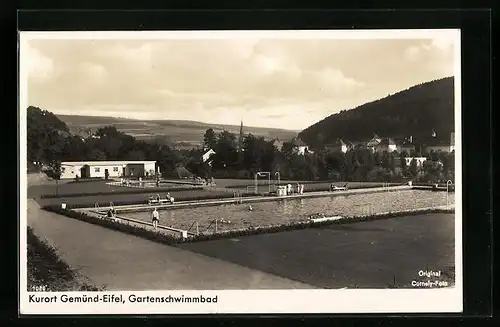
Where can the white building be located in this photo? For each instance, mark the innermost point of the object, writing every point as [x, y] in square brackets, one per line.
[372, 144]
[301, 146]
[386, 145]
[419, 160]
[207, 155]
[452, 142]
[92, 169]
[340, 146]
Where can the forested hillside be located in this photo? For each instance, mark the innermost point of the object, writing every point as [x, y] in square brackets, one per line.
[415, 111]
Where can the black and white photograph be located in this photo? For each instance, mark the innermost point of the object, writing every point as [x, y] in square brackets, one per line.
[240, 172]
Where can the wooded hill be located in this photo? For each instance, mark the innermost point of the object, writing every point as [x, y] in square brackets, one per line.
[415, 112]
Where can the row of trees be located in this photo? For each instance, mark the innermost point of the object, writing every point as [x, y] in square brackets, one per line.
[257, 154]
[49, 142]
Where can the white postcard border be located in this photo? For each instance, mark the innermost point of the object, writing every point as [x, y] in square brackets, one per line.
[252, 301]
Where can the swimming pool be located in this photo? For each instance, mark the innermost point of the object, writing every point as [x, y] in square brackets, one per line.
[290, 210]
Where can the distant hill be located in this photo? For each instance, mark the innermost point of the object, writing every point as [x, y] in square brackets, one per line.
[184, 133]
[415, 112]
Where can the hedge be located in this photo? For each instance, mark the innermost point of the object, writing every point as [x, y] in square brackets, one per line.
[125, 191]
[171, 240]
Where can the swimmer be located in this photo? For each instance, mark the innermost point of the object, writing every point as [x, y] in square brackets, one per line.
[155, 215]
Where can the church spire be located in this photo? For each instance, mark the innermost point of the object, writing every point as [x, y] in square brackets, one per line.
[240, 140]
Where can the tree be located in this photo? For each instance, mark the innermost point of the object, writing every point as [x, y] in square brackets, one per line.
[226, 154]
[210, 139]
[392, 163]
[402, 164]
[413, 168]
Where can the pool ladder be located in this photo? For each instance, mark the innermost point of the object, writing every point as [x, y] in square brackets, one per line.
[212, 222]
[238, 197]
[197, 227]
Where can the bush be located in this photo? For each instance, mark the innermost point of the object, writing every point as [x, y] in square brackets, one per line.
[171, 240]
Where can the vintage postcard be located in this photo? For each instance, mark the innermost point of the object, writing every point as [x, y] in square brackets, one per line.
[240, 172]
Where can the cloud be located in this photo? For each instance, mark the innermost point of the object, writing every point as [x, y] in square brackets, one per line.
[222, 80]
[40, 67]
[412, 53]
[443, 43]
[334, 80]
[434, 55]
[96, 72]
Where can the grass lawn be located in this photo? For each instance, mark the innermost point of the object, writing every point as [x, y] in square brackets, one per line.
[91, 188]
[308, 185]
[47, 270]
[374, 254]
[120, 199]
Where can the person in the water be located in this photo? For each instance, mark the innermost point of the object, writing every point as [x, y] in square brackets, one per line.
[250, 207]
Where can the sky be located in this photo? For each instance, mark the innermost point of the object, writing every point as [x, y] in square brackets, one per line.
[279, 82]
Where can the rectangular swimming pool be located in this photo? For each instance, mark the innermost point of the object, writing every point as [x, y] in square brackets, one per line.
[236, 216]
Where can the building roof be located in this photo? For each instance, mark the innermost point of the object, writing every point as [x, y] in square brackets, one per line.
[438, 142]
[339, 142]
[386, 142]
[106, 163]
[299, 142]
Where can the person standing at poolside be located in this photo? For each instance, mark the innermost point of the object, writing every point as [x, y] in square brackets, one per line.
[155, 217]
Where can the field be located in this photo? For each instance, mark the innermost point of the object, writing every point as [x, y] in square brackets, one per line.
[375, 254]
[238, 216]
[177, 132]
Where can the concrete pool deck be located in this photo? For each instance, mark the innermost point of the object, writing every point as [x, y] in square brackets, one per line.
[124, 262]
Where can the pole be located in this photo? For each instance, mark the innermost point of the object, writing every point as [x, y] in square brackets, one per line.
[216, 225]
[197, 230]
[448, 182]
[269, 182]
[256, 175]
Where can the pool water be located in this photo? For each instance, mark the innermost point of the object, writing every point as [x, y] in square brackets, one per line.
[290, 210]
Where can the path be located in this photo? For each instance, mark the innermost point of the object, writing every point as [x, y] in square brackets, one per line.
[125, 262]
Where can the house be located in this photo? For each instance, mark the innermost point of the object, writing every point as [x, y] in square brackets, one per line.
[437, 146]
[406, 147]
[339, 146]
[452, 142]
[207, 155]
[93, 169]
[386, 145]
[373, 142]
[301, 146]
[278, 144]
[419, 160]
